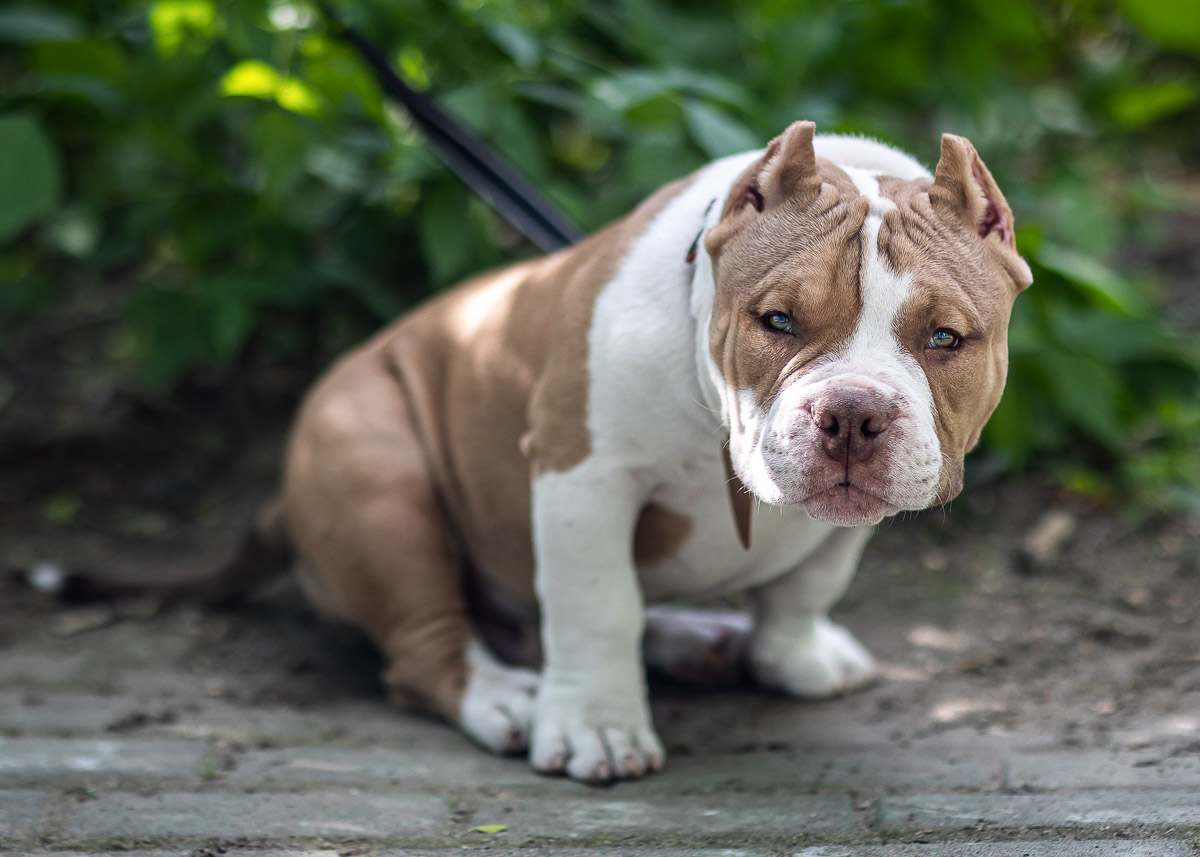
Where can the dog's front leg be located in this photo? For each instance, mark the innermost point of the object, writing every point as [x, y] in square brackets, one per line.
[592, 719]
[795, 647]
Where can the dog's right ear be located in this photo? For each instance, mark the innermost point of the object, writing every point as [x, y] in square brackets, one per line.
[786, 170]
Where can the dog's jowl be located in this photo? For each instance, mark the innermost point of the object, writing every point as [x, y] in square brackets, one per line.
[720, 393]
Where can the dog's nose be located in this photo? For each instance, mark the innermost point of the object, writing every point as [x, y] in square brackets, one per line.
[850, 425]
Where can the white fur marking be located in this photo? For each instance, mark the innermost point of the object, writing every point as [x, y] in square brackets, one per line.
[654, 433]
[872, 358]
[497, 707]
[875, 351]
[645, 427]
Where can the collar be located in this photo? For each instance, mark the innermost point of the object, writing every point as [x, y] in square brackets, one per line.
[741, 502]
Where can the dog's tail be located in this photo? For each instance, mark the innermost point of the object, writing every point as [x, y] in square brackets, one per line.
[265, 554]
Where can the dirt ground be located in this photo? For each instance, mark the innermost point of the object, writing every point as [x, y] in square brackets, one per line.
[1017, 611]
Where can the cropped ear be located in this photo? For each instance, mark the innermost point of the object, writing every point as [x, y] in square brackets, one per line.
[786, 170]
[963, 187]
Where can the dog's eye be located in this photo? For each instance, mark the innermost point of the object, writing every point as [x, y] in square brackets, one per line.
[778, 321]
[944, 338]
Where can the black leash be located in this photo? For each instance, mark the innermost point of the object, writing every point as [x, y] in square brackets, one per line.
[513, 197]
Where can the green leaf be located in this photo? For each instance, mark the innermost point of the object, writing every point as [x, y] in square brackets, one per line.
[280, 145]
[30, 177]
[99, 93]
[91, 57]
[1174, 23]
[522, 47]
[174, 22]
[1106, 285]
[626, 91]
[490, 828]
[1087, 393]
[169, 334]
[1111, 337]
[715, 132]
[1143, 105]
[30, 25]
[250, 78]
[709, 86]
[296, 96]
[446, 234]
[229, 325]
[338, 168]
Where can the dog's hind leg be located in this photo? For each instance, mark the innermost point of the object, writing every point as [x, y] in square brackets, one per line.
[376, 550]
[702, 647]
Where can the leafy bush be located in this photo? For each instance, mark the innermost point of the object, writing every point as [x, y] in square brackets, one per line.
[229, 171]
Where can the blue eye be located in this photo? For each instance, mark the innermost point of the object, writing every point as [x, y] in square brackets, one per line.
[944, 338]
[778, 321]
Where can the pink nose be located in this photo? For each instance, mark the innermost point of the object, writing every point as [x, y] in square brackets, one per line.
[850, 424]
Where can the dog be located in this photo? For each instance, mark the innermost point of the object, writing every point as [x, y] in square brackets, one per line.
[722, 392]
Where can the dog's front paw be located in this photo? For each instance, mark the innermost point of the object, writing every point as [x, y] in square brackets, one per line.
[826, 662]
[595, 738]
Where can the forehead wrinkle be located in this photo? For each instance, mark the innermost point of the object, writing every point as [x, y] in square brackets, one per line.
[942, 266]
[835, 248]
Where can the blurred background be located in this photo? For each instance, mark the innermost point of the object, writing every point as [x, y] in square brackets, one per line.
[203, 201]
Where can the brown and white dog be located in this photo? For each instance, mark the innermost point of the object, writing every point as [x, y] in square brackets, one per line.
[822, 323]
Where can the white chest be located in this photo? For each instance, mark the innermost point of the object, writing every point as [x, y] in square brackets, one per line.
[710, 561]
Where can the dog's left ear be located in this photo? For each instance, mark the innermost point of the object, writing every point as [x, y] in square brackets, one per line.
[964, 188]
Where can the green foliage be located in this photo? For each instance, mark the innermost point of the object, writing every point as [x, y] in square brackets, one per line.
[231, 173]
[30, 181]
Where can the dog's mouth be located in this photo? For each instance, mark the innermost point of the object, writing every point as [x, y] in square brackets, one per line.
[847, 505]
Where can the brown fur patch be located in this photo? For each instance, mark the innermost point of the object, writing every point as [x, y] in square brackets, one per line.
[358, 500]
[659, 534]
[498, 372]
[960, 282]
[800, 257]
[406, 461]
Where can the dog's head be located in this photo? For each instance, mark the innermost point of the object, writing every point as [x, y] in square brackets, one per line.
[859, 326]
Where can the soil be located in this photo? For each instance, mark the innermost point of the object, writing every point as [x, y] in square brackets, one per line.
[1018, 610]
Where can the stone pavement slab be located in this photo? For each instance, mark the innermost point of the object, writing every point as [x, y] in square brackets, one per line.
[19, 810]
[27, 713]
[409, 852]
[1090, 848]
[362, 723]
[1056, 809]
[657, 815]
[361, 766]
[33, 757]
[564, 852]
[1093, 770]
[912, 771]
[689, 774]
[858, 770]
[117, 854]
[572, 852]
[33, 713]
[469, 768]
[342, 813]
